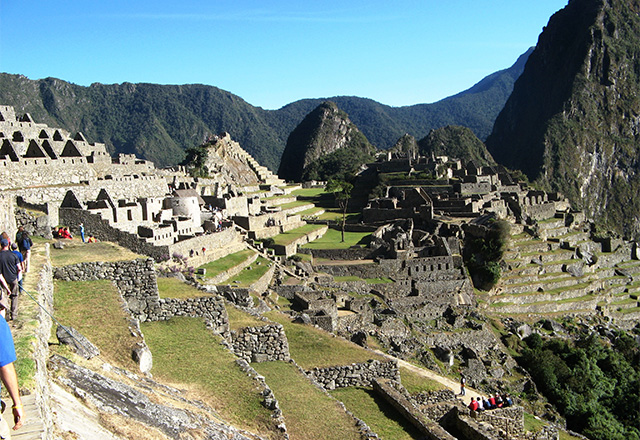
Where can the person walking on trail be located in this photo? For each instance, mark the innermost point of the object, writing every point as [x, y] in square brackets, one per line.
[9, 378]
[24, 244]
[463, 382]
[9, 269]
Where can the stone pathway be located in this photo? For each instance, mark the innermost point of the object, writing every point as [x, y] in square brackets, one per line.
[453, 385]
[33, 428]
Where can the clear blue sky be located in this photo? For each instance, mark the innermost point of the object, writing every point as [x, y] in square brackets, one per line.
[274, 52]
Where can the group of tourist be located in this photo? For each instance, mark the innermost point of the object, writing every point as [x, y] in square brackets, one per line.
[491, 402]
[63, 232]
[15, 258]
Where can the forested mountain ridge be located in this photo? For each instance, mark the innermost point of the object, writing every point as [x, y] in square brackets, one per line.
[572, 120]
[159, 122]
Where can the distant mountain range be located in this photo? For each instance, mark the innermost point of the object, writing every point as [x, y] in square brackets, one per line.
[159, 122]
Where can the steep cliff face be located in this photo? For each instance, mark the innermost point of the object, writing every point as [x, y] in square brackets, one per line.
[458, 142]
[572, 122]
[325, 143]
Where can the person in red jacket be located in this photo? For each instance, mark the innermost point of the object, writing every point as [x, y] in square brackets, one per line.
[473, 406]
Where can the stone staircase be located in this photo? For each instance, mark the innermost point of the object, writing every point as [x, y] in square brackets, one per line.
[545, 275]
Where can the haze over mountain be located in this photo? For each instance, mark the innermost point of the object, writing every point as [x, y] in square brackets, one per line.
[159, 122]
[572, 122]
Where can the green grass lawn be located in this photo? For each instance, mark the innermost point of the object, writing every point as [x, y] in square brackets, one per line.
[82, 304]
[225, 263]
[239, 319]
[333, 240]
[312, 347]
[346, 278]
[171, 287]
[309, 193]
[75, 251]
[250, 274]
[295, 204]
[415, 383]
[185, 352]
[309, 413]
[381, 417]
[289, 237]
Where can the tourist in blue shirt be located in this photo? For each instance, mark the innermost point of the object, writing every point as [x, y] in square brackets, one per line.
[9, 379]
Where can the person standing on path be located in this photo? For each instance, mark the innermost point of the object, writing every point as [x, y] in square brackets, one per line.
[9, 269]
[82, 232]
[463, 382]
[9, 378]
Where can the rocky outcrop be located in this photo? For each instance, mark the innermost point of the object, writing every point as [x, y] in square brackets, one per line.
[116, 397]
[324, 131]
[572, 120]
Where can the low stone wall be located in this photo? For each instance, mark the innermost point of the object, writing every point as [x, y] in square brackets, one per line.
[225, 275]
[35, 225]
[430, 429]
[292, 248]
[211, 308]
[433, 397]
[261, 344]
[509, 420]
[44, 293]
[355, 375]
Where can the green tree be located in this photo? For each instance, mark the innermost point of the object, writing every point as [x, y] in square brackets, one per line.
[341, 191]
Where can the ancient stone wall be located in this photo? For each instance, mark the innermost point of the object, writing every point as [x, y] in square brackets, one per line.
[36, 224]
[44, 294]
[211, 308]
[7, 215]
[433, 397]
[261, 344]
[355, 375]
[340, 254]
[509, 420]
[103, 231]
[400, 401]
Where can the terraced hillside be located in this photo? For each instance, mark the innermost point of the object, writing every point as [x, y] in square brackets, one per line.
[556, 268]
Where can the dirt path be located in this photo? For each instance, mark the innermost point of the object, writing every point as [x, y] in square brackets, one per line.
[452, 385]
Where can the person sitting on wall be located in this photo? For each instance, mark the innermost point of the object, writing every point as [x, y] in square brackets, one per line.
[473, 406]
[507, 400]
[480, 404]
[492, 402]
[499, 401]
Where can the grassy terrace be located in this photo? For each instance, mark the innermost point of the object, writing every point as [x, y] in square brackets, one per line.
[295, 204]
[250, 274]
[379, 280]
[289, 237]
[81, 304]
[332, 239]
[170, 287]
[75, 251]
[220, 265]
[309, 413]
[239, 319]
[315, 348]
[185, 352]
